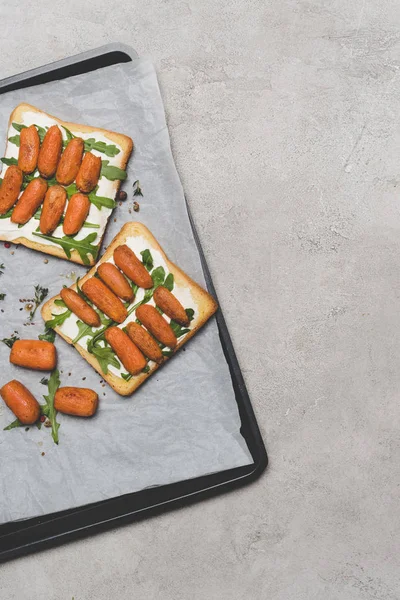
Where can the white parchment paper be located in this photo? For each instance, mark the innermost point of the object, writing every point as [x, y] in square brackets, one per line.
[184, 421]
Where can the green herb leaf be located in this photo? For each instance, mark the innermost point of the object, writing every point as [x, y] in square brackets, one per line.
[9, 161]
[70, 135]
[13, 425]
[18, 126]
[111, 172]
[14, 139]
[178, 329]
[107, 149]
[168, 353]
[40, 295]
[71, 190]
[158, 276]
[190, 313]
[137, 188]
[146, 369]
[60, 302]
[48, 336]
[42, 132]
[126, 376]
[7, 215]
[11, 340]
[58, 320]
[105, 357]
[48, 409]
[147, 259]
[169, 282]
[83, 331]
[68, 243]
[100, 201]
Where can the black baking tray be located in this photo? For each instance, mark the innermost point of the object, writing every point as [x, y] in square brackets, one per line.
[21, 537]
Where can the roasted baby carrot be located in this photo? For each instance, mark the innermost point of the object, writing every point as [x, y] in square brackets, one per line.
[50, 152]
[156, 324]
[53, 208]
[70, 161]
[34, 354]
[129, 354]
[10, 188]
[144, 342]
[89, 173]
[133, 268]
[114, 279]
[20, 400]
[105, 299]
[80, 308]
[77, 211]
[29, 201]
[170, 305]
[29, 144]
[80, 402]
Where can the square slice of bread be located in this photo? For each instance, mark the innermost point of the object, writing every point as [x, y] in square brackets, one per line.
[25, 114]
[190, 294]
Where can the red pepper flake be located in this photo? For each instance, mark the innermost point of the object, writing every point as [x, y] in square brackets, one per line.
[42, 419]
[7, 245]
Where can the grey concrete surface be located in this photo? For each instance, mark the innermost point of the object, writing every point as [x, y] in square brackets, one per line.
[284, 119]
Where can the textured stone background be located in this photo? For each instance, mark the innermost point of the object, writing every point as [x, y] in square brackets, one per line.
[284, 124]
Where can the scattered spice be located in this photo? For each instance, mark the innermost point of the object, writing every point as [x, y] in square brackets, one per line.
[122, 195]
[43, 453]
[45, 261]
[42, 419]
[7, 245]
[136, 206]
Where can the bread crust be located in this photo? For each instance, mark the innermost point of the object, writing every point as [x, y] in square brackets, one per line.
[206, 307]
[124, 141]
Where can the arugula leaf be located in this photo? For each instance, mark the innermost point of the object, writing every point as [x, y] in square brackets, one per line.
[2, 296]
[68, 243]
[70, 135]
[48, 409]
[15, 139]
[168, 353]
[147, 259]
[126, 376]
[169, 282]
[158, 276]
[40, 294]
[59, 301]
[83, 331]
[178, 329]
[190, 313]
[10, 341]
[71, 190]
[111, 172]
[146, 369]
[13, 425]
[100, 201]
[9, 161]
[41, 131]
[105, 357]
[107, 149]
[58, 320]
[48, 336]
[7, 215]
[18, 126]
